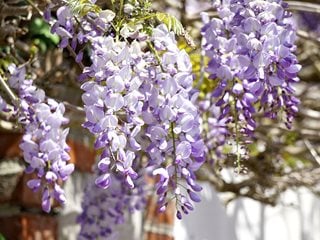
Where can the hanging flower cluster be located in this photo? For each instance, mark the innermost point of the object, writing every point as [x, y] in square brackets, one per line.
[44, 141]
[250, 48]
[103, 209]
[173, 123]
[139, 104]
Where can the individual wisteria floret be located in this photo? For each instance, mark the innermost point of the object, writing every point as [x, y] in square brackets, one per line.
[3, 105]
[251, 51]
[44, 140]
[173, 127]
[104, 209]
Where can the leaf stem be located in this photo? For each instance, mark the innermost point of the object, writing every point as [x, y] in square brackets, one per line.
[174, 159]
[155, 52]
[237, 136]
[121, 8]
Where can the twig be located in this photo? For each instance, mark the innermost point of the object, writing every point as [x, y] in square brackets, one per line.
[74, 55]
[10, 93]
[35, 7]
[6, 10]
[73, 107]
[183, 12]
[6, 31]
[202, 67]
[312, 150]
[304, 6]
[305, 35]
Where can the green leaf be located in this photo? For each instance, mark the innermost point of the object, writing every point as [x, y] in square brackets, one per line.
[172, 23]
[2, 237]
[83, 7]
[290, 160]
[40, 29]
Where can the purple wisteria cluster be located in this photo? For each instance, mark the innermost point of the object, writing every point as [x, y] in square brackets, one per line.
[104, 209]
[251, 56]
[173, 127]
[75, 31]
[140, 106]
[44, 141]
[111, 101]
[113, 105]
[134, 95]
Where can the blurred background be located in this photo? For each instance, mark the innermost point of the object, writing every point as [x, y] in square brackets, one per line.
[276, 196]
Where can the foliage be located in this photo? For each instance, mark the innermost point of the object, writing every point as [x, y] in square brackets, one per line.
[39, 32]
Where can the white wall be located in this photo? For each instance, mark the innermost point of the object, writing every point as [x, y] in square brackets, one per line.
[296, 217]
[208, 221]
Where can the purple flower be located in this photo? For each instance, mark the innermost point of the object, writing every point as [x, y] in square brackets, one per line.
[34, 184]
[46, 204]
[44, 141]
[251, 51]
[135, 108]
[3, 105]
[105, 208]
[103, 181]
[172, 118]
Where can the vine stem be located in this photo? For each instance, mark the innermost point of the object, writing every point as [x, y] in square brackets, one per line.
[174, 159]
[155, 52]
[236, 125]
[237, 143]
[10, 93]
[202, 66]
[74, 55]
[121, 8]
[35, 7]
[173, 139]
[153, 15]
[112, 6]
[308, 36]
